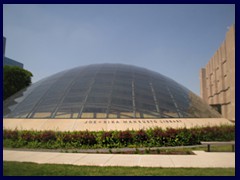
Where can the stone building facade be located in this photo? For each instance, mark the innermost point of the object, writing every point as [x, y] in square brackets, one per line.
[217, 79]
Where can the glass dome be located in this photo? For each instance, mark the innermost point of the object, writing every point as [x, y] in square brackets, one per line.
[107, 91]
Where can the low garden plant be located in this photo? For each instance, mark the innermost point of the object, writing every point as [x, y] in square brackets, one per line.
[156, 137]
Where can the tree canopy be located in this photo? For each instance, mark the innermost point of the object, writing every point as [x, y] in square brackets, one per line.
[15, 79]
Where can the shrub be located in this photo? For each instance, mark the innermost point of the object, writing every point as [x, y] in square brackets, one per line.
[106, 137]
[125, 137]
[141, 136]
[158, 133]
[27, 136]
[146, 138]
[67, 138]
[47, 136]
[109, 139]
[81, 138]
[89, 139]
[158, 137]
[10, 134]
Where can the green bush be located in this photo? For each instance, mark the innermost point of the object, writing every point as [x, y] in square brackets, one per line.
[156, 137]
[140, 137]
[14, 79]
[125, 137]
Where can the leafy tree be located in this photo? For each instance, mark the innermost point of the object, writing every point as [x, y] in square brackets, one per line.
[14, 79]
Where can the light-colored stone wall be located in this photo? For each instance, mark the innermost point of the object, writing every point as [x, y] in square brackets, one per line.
[108, 124]
[217, 79]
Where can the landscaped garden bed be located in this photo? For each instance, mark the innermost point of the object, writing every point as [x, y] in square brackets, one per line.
[116, 139]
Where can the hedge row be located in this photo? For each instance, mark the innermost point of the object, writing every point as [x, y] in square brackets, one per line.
[116, 139]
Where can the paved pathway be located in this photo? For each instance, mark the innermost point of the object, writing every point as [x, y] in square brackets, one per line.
[200, 160]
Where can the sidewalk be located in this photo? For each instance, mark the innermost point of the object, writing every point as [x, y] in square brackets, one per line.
[200, 160]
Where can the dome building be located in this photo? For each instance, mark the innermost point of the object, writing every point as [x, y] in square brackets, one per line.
[106, 94]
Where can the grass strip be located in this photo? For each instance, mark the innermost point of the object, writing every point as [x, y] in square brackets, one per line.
[33, 169]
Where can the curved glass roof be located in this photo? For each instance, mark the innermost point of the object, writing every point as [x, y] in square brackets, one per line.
[107, 91]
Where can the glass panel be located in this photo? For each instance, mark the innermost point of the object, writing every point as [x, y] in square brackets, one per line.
[138, 115]
[73, 99]
[87, 115]
[121, 102]
[101, 115]
[62, 115]
[97, 100]
[112, 115]
[145, 106]
[170, 114]
[98, 90]
[126, 115]
[42, 115]
[75, 115]
[21, 115]
[148, 115]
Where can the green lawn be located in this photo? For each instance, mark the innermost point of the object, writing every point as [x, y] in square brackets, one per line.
[214, 148]
[33, 169]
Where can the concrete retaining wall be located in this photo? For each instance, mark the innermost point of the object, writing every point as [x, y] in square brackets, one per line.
[108, 124]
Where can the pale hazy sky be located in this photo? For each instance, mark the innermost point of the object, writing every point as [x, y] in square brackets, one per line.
[174, 40]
